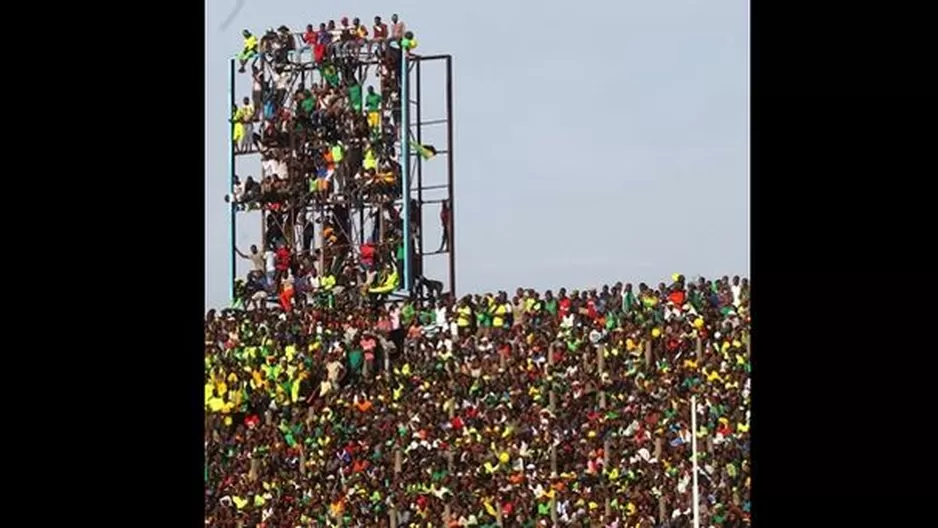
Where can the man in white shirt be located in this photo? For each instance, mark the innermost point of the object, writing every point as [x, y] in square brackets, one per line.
[268, 166]
[270, 259]
[238, 191]
[282, 169]
[397, 28]
[298, 227]
[737, 290]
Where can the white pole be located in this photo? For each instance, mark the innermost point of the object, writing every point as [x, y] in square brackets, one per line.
[693, 448]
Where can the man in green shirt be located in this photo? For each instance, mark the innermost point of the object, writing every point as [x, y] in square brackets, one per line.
[550, 303]
[372, 100]
[330, 74]
[373, 106]
[407, 314]
[628, 299]
[355, 357]
[307, 102]
[355, 97]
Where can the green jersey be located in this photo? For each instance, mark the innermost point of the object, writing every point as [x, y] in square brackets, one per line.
[355, 97]
[373, 102]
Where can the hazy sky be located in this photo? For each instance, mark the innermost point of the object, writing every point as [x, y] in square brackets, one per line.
[595, 141]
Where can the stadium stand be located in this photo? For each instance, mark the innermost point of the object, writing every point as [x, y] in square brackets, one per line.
[533, 410]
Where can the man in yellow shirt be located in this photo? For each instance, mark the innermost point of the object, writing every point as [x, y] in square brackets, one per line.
[248, 51]
[243, 129]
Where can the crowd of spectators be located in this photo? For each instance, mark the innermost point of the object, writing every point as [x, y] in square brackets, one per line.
[566, 409]
[327, 136]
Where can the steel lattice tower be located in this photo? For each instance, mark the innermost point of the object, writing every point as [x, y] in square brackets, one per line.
[426, 184]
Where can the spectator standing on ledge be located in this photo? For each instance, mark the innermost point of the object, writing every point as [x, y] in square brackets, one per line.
[255, 257]
[243, 126]
[379, 33]
[397, 28]
[444, 222]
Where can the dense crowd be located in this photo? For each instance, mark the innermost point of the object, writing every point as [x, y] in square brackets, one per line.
[326, 134]
[525, 410]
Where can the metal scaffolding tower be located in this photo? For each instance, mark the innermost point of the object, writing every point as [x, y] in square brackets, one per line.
[427, 184]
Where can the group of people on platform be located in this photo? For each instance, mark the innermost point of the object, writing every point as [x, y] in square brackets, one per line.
[324, 115]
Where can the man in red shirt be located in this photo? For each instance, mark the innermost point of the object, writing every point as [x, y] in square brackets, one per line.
[309, 36]
[282, 263]
[379, 33]
[564, 303]
[310, 39]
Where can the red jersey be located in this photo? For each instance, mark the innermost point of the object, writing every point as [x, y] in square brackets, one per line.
[283, 259]
[564, 306]
[677, 297]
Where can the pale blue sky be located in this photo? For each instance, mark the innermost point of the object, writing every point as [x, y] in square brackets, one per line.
[595, 141]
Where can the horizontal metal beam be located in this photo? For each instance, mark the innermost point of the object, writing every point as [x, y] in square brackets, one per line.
[438, 152]
[430, 57]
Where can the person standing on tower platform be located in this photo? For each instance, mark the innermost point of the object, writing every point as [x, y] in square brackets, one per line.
[286, 292]
[397, 28]
[373, 106]
[346, 37]
[243, 128]
[255, 257]
[299, 241]
[444, 220]
[379, 33]
[282, 263]
[415, 216]
[309, 235]
[355, 96]
[360, 36]
[257, 90]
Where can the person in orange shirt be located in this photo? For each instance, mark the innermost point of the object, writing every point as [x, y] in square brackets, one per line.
[330, 162]
[286, 293]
